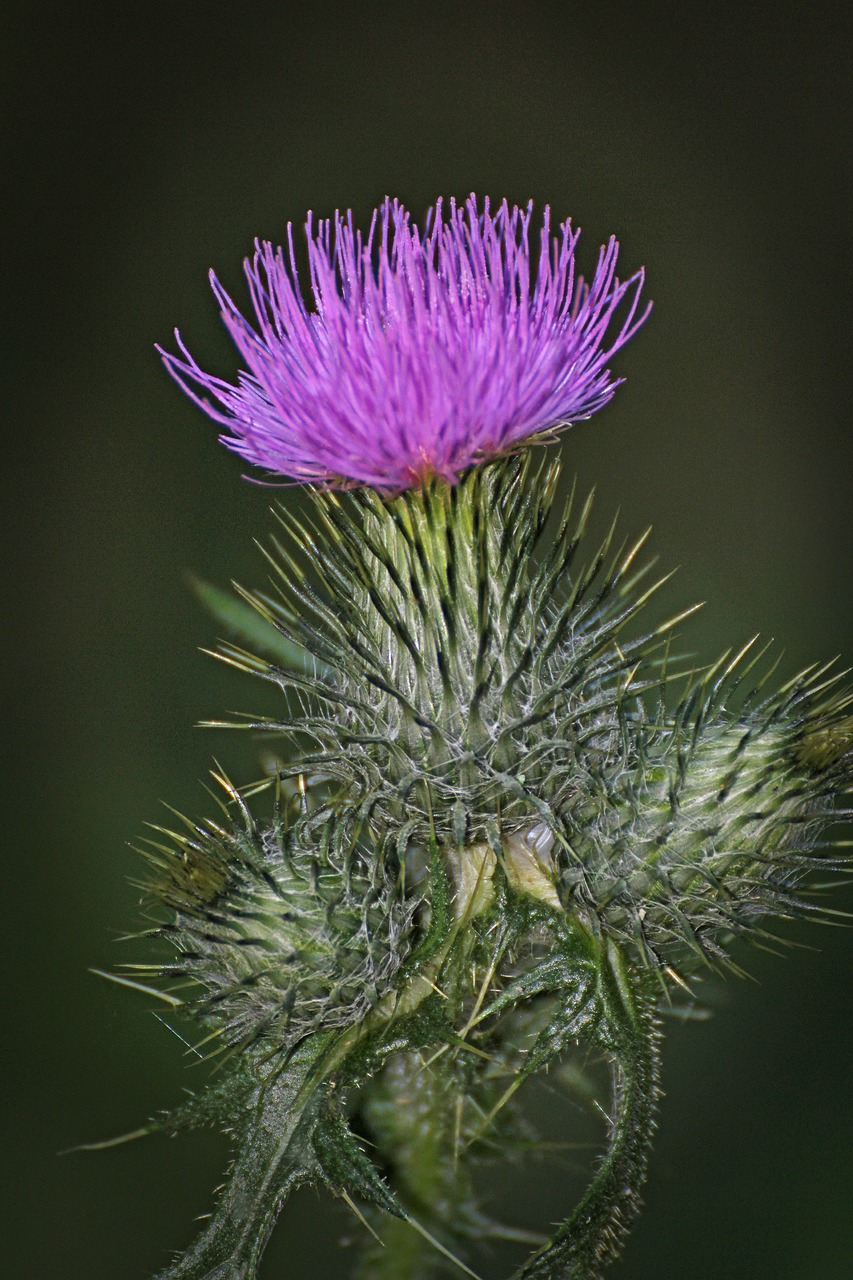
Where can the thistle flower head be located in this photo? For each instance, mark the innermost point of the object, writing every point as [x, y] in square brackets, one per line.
[425, 351]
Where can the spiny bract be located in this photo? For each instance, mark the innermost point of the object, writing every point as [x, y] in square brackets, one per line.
[461, 685]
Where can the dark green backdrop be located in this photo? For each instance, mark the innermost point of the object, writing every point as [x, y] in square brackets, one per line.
[148, 142]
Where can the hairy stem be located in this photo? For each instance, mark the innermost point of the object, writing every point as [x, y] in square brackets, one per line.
[591, 1237]
[269, 1163]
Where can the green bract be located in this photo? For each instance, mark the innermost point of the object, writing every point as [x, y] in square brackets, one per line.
[465, 685]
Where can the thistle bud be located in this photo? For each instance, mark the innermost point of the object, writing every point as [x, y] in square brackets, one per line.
[702, 824]
[280, 931]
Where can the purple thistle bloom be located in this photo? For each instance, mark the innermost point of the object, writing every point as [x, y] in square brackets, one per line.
[424, 353]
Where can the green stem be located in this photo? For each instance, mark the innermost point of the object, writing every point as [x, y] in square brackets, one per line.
[270, 1161]
[592, 1236]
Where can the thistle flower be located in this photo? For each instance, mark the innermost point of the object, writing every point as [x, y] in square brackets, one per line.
[425, 352]
[495, 835]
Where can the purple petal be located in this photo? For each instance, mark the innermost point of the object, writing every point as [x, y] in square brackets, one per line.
[424, 353]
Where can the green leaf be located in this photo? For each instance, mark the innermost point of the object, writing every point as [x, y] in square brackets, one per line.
[345, 1166]
[242, 620]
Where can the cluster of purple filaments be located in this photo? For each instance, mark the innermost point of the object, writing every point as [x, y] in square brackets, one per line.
[423, 353]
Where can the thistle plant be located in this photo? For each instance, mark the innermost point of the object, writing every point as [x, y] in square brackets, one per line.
[503, 818]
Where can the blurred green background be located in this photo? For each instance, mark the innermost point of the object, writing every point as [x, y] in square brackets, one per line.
[146, 143]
